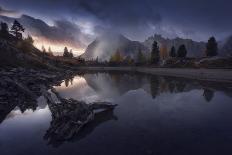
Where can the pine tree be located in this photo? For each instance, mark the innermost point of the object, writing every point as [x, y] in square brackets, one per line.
[50, 51]
[43, 49]
[211, 47]
[155, 57]
[182, 52]
[66, 53]
[16, 29]
[172, 53]
[71, 54]
[29, 40]
[4, 29]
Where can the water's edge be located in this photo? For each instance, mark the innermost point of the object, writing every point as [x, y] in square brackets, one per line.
[219, 75]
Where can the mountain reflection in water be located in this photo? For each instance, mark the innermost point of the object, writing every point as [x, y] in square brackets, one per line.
[155, 114]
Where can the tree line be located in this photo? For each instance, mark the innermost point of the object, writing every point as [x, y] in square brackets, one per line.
[156, 55]
[160, 53]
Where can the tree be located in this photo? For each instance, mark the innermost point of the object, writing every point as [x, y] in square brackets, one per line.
[208, 94]
[172, 52]
[66, 53]
[43, 49]
[155, 57]
[182, 52]
[118, 57]
[211, 47]
[163, 52]
[71, 54]
[50, 51]
[140, 57]
[128, 60]
[29, 40]
[4, 29]
[16, 29]
[96, 60]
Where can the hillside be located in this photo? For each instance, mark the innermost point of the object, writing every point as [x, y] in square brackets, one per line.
[19, 53]
[106, 45]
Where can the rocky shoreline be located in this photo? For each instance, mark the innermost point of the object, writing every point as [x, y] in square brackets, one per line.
[20, 87]
[17, 85]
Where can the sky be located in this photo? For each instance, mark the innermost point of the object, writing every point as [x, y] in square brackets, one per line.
[75, 23]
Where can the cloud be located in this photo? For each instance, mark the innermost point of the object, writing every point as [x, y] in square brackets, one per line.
[10, 13]
[136, 18]
[127, 17]
[63, 31]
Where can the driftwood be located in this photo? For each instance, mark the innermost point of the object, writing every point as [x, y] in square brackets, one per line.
[69, 116]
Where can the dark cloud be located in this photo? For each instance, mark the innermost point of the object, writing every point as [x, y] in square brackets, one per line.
[197, 19]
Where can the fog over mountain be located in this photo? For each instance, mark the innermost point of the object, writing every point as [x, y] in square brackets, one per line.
[107, 44]
[226, 47]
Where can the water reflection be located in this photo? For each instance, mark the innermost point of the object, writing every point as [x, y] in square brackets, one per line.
[155, 113]
[102, 86]
[208, 94]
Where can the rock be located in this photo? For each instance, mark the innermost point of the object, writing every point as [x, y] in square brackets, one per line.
[69, 116]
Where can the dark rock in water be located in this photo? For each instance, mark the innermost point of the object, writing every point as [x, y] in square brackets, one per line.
[69, 116]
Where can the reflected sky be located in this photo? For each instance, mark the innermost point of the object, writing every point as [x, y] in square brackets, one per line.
[155, 115]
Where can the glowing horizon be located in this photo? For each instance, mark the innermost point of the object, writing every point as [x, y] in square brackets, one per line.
[56, 47]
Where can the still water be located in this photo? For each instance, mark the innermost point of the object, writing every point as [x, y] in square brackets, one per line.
[155, 115]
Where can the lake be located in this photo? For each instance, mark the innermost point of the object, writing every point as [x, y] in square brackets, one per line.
[155, 115]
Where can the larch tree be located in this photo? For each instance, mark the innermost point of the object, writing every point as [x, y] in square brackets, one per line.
[163, 52]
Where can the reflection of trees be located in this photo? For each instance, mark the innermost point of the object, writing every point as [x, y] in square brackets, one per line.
[180, 85]
[154, 86]
[171, 86]
[68, 81]
[115, 84]
[208, 94]
[15, 97]
[7, 107]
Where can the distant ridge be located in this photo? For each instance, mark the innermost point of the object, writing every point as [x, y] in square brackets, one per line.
[195, 49]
